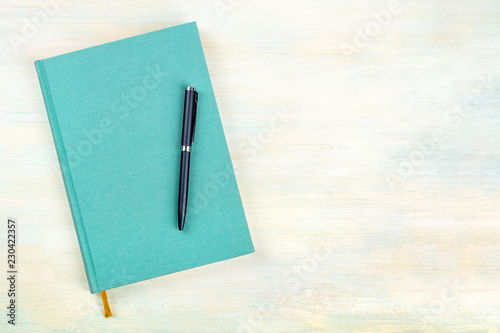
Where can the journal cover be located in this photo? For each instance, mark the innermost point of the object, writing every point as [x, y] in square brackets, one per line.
[115, 112]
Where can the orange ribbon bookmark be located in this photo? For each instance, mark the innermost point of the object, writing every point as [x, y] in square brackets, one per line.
[107, 310]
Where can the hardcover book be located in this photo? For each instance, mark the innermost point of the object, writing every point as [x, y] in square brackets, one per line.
[115, 111]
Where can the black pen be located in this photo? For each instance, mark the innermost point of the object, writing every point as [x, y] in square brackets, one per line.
[188, 125]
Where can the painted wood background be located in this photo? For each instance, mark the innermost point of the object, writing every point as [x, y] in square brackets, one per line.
[366, 139]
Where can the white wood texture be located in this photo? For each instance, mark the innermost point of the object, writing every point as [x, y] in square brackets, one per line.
[366, 137]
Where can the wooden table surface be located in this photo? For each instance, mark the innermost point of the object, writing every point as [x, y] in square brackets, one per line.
[366, 139]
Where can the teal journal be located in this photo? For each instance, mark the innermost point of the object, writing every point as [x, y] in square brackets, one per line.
[115, 111]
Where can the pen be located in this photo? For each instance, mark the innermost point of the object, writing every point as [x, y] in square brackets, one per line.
[188, 126]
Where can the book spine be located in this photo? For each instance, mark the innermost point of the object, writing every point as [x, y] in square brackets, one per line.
[68, 180]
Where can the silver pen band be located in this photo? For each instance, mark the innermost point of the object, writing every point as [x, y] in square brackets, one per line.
[186, 148]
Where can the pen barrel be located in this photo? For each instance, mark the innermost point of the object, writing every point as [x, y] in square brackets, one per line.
[183, 187]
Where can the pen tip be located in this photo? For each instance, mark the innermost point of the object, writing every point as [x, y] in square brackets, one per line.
[181, 223]
[181, 217]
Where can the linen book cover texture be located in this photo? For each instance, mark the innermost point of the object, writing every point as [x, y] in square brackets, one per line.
[115, 112]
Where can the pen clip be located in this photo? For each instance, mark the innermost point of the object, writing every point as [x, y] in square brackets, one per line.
[195, 110]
